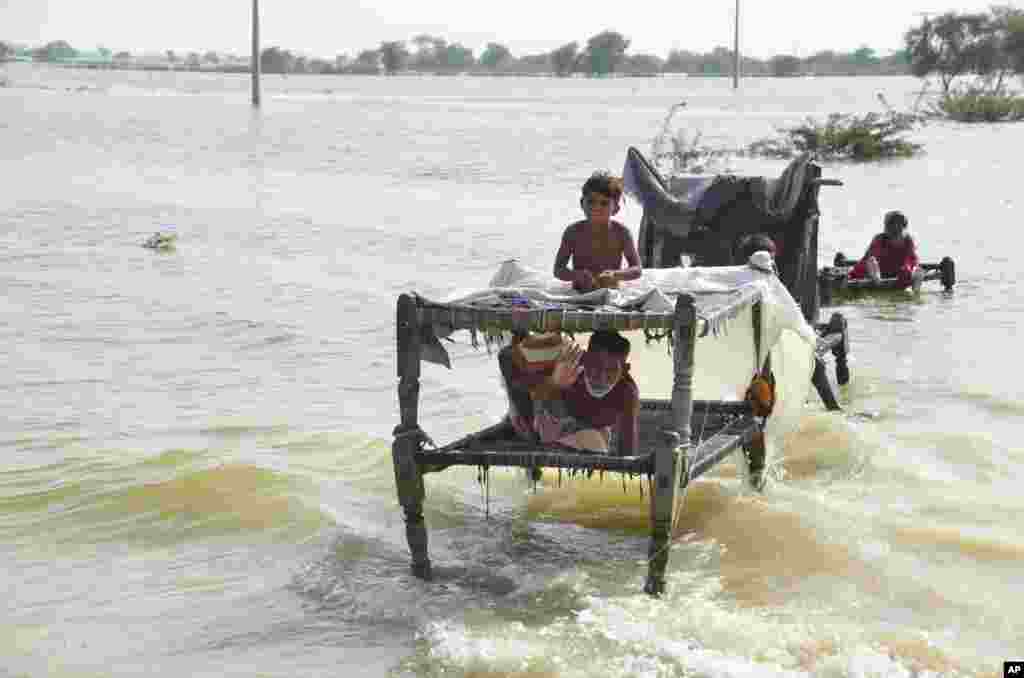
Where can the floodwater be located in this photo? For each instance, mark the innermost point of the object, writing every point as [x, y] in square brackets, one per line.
[196, 478]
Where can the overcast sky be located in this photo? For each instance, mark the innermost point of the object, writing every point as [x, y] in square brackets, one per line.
[327, 28]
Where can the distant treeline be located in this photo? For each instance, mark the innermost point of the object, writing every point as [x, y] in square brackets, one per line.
[604, 54]
[987, 45]
[62, 53]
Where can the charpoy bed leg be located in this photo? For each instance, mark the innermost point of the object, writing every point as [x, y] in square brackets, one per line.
[670, 459]
[409, 436]
[754, 449]
[824, 386]
[837, 325]
[947, 273]
[833, 336]
[824, 288]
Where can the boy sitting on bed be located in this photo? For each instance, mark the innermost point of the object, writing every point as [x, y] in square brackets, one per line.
[597, 244]
[577, 398]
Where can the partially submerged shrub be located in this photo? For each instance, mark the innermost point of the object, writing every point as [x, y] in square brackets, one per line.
[870, 136]
[676, 152]
[866, 137]
[773, 147]
[689, 154]
[974, 104]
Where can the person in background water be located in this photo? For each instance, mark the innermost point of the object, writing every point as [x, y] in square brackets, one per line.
[581, 399]
[891, 254]
[598, 244]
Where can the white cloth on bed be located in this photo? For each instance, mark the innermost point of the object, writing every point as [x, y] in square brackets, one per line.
[654, 291]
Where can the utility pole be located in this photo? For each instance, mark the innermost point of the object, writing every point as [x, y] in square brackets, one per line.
[256, 52]
[736, 50]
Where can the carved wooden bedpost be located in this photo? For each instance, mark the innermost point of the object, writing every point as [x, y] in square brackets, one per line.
[670, 459]
[837, 324]
[824, 387]
[754, 449]
[409, 436]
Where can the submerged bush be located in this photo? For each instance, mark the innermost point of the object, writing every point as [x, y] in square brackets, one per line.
[865, 137]
[870, 136]
[677, 152]
[978, 105]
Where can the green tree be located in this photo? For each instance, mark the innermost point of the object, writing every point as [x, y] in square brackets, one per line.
[6, 51]
[320, 66]
[276, 60]
[457, 58]
[1003, 52]
[682, 61]
[57, 50]
[366, 62]
[565, 58]
[900, 56]
[533, 63]
[433, 53]
[950, 46]
[368, 57]
[752, 66]
[643, 64]
[864, 56]
[211, 57]
[898, 62]
[393, 55]
[424, 53]
[1015, 42]
[710, 66]
[717, 62]
[825, 62]
[494, 55]
[604, 52]
[784, 65]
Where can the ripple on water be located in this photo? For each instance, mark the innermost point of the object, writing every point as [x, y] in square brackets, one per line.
[176, 497]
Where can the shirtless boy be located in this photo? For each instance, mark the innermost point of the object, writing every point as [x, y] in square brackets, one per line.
[597, 244]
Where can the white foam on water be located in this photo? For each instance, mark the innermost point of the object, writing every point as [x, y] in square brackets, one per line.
[685, 635]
